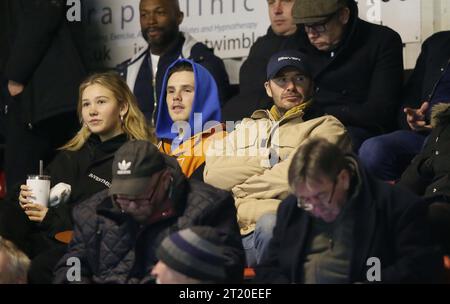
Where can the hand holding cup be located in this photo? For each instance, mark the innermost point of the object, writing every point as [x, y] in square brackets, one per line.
[35, 212]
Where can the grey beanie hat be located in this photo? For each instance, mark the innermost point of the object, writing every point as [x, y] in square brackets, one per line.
[195, 252]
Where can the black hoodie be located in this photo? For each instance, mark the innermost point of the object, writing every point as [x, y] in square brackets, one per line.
[88, 171]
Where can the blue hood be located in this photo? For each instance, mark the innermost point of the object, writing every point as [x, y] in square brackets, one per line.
[206, 102]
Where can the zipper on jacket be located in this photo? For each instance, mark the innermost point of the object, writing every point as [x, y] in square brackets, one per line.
[443, 70]
[155, 101]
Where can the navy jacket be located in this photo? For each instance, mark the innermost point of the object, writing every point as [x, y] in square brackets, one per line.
[430, 66]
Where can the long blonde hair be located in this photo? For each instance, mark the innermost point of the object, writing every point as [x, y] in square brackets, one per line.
[134, 122]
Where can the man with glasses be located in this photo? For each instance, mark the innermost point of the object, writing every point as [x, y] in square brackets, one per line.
[117, 231]
[343, 226]
[252, 161]
[357, 66]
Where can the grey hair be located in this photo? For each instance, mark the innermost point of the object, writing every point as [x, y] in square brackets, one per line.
[15, 265]
[315, 159]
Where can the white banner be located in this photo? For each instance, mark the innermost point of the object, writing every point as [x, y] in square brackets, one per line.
[401, 15]
[228, 26]
[113, 31]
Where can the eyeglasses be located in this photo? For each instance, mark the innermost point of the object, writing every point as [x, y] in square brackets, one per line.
[123, 200]
[283, 81]
[127, 200]
[319, 27]
[305, 203]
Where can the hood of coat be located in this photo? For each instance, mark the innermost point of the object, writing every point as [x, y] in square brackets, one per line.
[206, 102]
[440, 114]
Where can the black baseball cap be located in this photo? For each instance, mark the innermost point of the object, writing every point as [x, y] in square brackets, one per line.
[291, 58]
[133, 165]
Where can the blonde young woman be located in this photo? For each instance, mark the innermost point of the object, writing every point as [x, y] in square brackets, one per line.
[110, 116]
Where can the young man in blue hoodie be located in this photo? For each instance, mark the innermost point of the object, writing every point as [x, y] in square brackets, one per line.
[160, 26]
[188, 115]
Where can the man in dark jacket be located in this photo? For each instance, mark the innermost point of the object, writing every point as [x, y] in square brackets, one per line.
[281, 35]
[160, 20]
[343, 226]
[116, 233]
[42, 96]
[387, 156]
[428, 174]
[358, 66]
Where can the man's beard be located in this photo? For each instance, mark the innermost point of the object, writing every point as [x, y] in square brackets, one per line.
[167, 36]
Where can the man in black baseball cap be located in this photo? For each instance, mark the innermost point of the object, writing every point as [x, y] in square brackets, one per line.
[117, 231]
[242, 165]
[287, 58]
[141, 180]
[133, 166]
[289, 81]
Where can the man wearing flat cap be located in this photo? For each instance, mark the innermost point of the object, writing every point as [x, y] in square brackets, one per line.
[357, 66]
[117, 231]
[252, 161]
